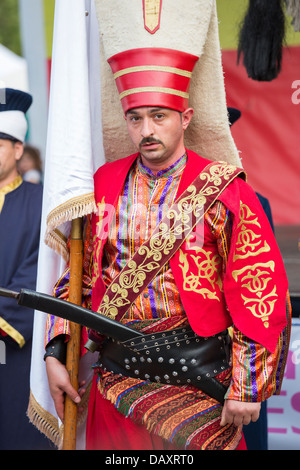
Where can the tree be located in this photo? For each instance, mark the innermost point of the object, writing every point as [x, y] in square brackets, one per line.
[9, 25]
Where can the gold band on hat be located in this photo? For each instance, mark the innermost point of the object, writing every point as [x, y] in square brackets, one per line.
[151, 68]
[150, 89]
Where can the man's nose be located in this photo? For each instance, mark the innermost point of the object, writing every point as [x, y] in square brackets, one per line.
[147, 128]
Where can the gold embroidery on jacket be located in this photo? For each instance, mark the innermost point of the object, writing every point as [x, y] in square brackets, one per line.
[256, 278]
[201, 272]
[176, 225]
[249, 243]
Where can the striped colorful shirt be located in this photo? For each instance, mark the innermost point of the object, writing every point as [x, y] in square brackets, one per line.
[142, 204]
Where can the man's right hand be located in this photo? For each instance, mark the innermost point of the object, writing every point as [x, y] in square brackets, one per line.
[59, 384]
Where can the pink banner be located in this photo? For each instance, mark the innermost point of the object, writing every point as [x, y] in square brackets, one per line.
[268, 133]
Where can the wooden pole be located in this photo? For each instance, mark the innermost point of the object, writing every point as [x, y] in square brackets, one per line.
[73, 347]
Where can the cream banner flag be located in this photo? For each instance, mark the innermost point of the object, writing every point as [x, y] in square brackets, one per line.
[74, 152]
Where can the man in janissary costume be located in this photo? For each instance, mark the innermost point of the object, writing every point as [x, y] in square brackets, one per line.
[180, 247]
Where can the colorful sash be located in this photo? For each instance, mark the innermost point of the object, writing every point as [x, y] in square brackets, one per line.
[183, 415]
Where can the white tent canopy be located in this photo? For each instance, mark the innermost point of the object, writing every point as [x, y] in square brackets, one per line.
[13, 70]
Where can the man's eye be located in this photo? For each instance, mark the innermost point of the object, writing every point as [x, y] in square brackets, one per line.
[159, 116]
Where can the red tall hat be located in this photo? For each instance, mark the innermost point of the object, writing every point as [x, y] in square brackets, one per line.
[153, 77]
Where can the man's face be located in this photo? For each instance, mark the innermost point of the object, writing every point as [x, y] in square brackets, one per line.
[10, 152]
[158, 134]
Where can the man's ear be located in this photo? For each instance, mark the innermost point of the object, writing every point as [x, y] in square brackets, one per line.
[187, 115]
[19, 149]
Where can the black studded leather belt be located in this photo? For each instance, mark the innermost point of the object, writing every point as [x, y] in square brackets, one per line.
[174, 357]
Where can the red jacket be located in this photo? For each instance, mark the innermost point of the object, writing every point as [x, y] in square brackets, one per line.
[251, 293]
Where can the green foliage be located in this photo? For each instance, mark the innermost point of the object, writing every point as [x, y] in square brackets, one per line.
[9, 25]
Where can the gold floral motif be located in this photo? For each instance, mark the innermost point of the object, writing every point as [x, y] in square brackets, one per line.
[109, 307]
[255, 284]
[262, 307]
[249, 243]
[175, 227]
[257, 278]
[207, 272]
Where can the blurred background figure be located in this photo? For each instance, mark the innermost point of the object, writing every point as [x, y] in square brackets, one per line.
[256, 433]
[30, 165]
[20, 219]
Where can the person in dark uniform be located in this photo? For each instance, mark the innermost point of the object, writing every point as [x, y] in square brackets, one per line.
[20, 217]
[256, 434]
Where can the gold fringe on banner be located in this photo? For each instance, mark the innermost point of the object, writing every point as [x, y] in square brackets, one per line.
[47, 424]
[44, 421]
[66, 212]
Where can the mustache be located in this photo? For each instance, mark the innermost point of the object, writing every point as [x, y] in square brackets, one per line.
[149, 140]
